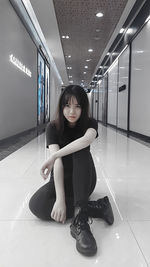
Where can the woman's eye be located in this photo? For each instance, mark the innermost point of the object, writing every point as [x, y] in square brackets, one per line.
[78, 106]
[67, 105]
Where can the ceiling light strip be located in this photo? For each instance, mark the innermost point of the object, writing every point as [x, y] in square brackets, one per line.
[28, 7]
[122, 20]
[114, 62]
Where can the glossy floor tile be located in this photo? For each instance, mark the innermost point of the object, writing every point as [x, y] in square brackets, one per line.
[141, 231]
[123, 173]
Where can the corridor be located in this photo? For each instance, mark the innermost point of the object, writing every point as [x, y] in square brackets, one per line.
[123, 171]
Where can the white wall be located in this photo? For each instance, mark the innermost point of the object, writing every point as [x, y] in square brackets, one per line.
[112, 94]
[123, 95]
[55, 91]
[140, 83]
[100, 104]
[95, 102]
[90, 102]
[105, 98]
[18, 92]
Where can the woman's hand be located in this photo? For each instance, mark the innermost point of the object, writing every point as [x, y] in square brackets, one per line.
[47, 167]
[59, 211]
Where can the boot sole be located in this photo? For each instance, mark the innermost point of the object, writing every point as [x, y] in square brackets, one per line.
[108, 216]
[87, 252]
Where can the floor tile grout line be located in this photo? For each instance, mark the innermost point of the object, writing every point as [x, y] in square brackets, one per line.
[14, 220]
[138, 243]
[104, 175]
[28, 168]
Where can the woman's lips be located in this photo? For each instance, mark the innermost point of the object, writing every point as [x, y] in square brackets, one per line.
[72, 117]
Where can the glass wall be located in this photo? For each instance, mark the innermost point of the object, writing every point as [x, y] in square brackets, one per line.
[123, 80]
[47, 93]
[43, 91]
[112, 94]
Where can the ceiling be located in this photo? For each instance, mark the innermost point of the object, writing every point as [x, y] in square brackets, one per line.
[77, 19]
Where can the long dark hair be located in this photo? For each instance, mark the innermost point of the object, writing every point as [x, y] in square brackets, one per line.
[79, 93]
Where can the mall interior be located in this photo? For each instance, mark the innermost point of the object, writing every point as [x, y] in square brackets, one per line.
[103, 46]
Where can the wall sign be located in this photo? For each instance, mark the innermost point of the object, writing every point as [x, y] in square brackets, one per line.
[20, 65]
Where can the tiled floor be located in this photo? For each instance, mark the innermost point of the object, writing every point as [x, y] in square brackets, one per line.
[123, 171]
[12, 144]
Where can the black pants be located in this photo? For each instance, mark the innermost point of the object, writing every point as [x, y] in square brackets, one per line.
[78, 187]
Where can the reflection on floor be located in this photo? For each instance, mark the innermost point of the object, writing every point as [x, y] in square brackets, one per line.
[123, 171]
[12, 144]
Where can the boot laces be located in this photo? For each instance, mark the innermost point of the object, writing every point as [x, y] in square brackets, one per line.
[82, 222]
[101, 203]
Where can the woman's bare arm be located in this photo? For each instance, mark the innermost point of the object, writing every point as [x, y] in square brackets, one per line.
[59, 209]
[74, 146]
[58, 173]
[77, 145]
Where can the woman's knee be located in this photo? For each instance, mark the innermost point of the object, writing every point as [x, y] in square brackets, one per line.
[40, 208]
[34, 204]
[41, 203]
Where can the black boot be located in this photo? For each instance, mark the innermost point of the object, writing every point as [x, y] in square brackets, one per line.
[80, 230]
[101, 209]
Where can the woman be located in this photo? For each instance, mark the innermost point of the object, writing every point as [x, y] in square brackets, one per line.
[73, 176]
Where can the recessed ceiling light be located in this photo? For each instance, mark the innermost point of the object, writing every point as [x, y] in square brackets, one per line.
[139, 51]
[84, 72]
[97, 30]
[68, 56]
[108, 54]
[71, 81]
[114, 54]
[90, 50]
[88, 59]
[86, 67]
[122, 30]
[148, 18]
[70, 76]
[99, 15]
[130, 30]
[69, 68]
[65, 37]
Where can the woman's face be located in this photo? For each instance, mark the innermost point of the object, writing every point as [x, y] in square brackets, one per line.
[72, 111]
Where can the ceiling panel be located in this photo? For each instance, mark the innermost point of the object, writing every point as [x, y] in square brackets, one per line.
[77, 18]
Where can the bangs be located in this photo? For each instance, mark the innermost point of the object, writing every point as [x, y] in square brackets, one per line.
[67, 98]
[77, 92]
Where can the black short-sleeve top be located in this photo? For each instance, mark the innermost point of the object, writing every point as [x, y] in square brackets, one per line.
[70, 134]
